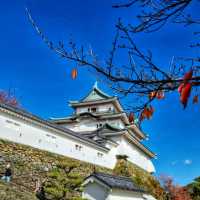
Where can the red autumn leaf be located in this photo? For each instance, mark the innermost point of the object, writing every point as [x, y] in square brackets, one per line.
[180, 88]
[142, 115]
[152, 95]
[131, 117]
[185, 94]
[150, 112]
[195, 99]
[74, 73]
[187, 76]
[147, 113]
[160, 95]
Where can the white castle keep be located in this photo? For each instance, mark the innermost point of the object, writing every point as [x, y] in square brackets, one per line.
[97, 132]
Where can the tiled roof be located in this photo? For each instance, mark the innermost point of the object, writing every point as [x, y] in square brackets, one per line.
[96, 116]
[100, 115]
[95, 94]
[118, 182]
[109, 128]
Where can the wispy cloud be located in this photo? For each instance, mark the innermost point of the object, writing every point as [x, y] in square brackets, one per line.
[187, 162]
[174, 162]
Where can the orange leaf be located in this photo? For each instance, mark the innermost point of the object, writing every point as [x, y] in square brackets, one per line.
[152, 95]
[131, 117]
[74, 73]
[160, 95]
[142, 115]
[150, 112]
[147, 113]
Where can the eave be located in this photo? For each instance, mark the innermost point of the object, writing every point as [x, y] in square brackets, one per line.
[98, 116]
[137, 131]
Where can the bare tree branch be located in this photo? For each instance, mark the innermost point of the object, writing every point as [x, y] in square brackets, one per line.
[139, 76]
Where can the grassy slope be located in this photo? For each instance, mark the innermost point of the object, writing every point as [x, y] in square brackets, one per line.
[29, 164]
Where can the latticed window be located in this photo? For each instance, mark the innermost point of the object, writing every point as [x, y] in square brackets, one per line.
[78, 147]
[94, 109]
[100, 155]
[99, 125]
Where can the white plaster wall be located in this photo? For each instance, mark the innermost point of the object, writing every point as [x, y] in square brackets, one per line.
[135, 155]
[83, 125]
[100, 108]
[94, 191]
[20, 131]
[91, 124]
[124, 195]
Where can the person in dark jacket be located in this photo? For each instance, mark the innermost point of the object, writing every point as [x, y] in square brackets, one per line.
[8, 173]
[40, 193]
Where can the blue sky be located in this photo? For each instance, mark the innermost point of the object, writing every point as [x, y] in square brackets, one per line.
[42, 80]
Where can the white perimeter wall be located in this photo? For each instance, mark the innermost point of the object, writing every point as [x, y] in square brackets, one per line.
[26, 132]
[124, 195]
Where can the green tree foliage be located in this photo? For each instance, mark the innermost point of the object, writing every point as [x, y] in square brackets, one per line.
[194, 189]
[64, 181]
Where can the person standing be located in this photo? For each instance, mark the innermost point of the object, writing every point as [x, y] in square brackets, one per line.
[8, 173]
[39, 190]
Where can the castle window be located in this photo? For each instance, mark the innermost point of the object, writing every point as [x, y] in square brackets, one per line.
[99, 125]
[100, 155]
[51, 136]
[109, 109]
[93, 109]
[88, 109]
[16, 124]
[78, 147]
[10, 122]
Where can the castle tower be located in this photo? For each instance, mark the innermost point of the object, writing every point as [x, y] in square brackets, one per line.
[100, 117]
